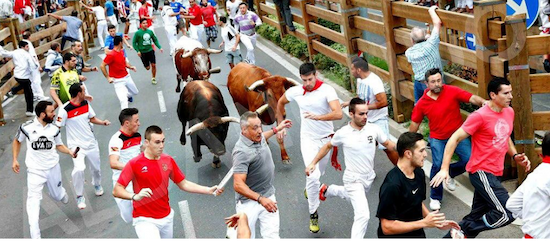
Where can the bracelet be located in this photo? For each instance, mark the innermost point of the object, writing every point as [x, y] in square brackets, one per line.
[514, 156]
[274, 130]
[133, 197]
[259, 197]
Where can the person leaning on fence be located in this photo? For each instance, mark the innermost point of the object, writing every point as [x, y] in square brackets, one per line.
[424, 54]
[73, 27]
[284, 7]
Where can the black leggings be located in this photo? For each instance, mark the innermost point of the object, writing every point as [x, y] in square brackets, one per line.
[64, 40]
[25, 85]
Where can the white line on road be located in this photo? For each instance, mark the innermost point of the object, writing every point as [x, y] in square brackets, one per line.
[161, 102]
[188, 228]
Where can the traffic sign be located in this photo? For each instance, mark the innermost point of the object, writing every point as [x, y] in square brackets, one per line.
[470, 41]
[529, 7]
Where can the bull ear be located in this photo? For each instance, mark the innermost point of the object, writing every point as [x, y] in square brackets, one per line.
[291, 82]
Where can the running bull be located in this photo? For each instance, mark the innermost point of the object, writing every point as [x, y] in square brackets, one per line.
[201, 104]
[255, 89]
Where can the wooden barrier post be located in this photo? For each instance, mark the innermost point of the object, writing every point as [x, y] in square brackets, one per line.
[350, 33]
[402, 107]
[13, 25]
[310, 35]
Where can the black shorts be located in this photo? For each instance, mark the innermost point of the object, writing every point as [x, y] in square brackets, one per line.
[148, 58]
[123, 19]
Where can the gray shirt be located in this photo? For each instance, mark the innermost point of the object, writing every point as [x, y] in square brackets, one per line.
[73, 26]
[254, 160]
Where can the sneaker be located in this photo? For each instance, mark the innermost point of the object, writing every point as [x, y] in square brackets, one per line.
[29, 113]
[451, 185]
[130, 99]
[42, 98]
[154, 81]
[322, 192]
[98, 190]
[102, 48]
[65, 199]
[314, 222]
[305, 193]
[9, 94]
[435, 204]
[81, 202]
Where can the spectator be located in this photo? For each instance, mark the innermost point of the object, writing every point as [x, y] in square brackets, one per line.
[230, 38]
[22, 8]
[73, 27]
[208, 13]
[284, 7]
[544, 8]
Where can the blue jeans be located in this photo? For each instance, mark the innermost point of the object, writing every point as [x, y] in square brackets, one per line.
[419, 88]
[463, 150]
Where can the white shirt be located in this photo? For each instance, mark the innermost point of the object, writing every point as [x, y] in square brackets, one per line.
[232, 8]
[531, 203]
[23, 62]
[6, 9]
[367, 89]
[99, 12]
[41, 144]
[225, 36]
[77, 120]
[169, 21]
[126, 147]
[359, 146]
[317, 103]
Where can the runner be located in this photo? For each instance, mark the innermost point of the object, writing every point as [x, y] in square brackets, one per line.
[110, 43]
[101, 21]
[246, 22]
[76, 49]
[490, 128]
[232, 8]
[144, 13]
[319, 106]
[36, 79]
[110, 13]
[135, 6]
[125, 18]
[231, 39]
[177, 7]
[124, 145]
[149, 172]
[118, 75]
[63, 78]
[143, 41]
[359, 140]
[196, 22]
[170, 25]
[208, 13]
[42, 161]
[77, 115]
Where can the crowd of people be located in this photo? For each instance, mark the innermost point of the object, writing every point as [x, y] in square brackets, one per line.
[140, 169]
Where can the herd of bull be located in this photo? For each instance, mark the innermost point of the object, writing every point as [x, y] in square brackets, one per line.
[201, 103]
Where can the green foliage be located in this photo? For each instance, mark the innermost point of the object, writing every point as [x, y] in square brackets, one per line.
[329, 24]
[333, 70]
[269, 32]
[294, 46]
[378, 62]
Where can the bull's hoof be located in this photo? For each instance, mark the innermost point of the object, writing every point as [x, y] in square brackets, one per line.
[197, 159]
[287, 162]
[216, 163]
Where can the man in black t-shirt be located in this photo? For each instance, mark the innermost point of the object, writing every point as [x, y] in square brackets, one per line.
[401, 210]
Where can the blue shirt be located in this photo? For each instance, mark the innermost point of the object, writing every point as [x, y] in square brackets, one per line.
[213, 2]
[110, 8]
[176, 7]
[127, 5]
[110, 42]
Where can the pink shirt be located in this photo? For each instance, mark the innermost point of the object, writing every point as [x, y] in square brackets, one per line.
[490, 132]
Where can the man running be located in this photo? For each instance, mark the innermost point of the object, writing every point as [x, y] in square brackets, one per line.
[125, 87]
[208, 13]
[490, 127]
[177, 7]
[149, 173]
[170, 25]
[143, 44]
[246, 22]
[76, 49]
[124, 145]
[77, 115]
[110, 13]
[99, 12]
[359, 140]
[319, 106]
[196, 22]
[231, 41]
[63, 78]
[42, 161]
[110, 40]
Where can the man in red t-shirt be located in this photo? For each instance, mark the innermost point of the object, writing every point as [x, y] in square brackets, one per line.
[208, 13]
[144, 13]
[441, 104]
[118, 75]
[149, 173]
[196, 22]
[490, 128]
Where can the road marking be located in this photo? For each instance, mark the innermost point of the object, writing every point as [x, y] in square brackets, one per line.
[161, 102]
[188, 228]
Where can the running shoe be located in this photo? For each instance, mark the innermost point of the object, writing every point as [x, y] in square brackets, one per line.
[29, 113]
[130, 99]
[65, 199]
[154, 81]
[314, 222]
[322, 192]
[305, 193]
[451, 185]
[98, 190]
[81, 202]
[435, 204]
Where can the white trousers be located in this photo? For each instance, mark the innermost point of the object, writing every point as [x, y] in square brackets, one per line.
[102, 32]
[355, 190]
[113, 21]
[36, 84]
[543, 17]
[310, 148]
[124, 88]
[172, 34]
[269, 222]
[250, 44]
[196, 32]
[464, 3]
[92, 155]
[125, 207]
[153, 229]
[35, 183]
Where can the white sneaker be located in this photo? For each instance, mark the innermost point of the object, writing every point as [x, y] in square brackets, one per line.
[29, 114]
[98, 190]
[81, 202]
[65, 199]
[451, 185]
[435, 204]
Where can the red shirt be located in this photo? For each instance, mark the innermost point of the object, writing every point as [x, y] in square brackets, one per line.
[490, 133]
[208, 15]
[197, 12]
[144, 12]
[153, 174]
[443, 113]
[117, 64]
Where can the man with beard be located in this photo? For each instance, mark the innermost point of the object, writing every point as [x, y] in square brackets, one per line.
[359, 140]
[440, 103]
[42, 161]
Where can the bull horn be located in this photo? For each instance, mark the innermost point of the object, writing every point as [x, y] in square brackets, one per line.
[196, 127]
[214, 51]
[292, 81]
[262, 109]
[230, 119]
[256, 84]
[187, 54]
[215, 70]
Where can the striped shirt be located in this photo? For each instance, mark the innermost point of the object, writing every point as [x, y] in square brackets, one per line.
[246, 23]
[424, 56]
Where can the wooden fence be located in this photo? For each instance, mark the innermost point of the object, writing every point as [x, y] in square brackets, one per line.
[44, 31]
[502, 50]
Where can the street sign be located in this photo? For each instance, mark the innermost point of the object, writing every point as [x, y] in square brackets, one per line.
[529, 7]
[470, 41]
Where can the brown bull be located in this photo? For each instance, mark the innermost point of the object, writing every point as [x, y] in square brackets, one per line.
[255, 89]
[195, 64]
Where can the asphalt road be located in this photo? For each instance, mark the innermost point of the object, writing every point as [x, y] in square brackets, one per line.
[101, 218]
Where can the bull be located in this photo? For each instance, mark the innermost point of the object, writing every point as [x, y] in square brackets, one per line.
[255, 89]
[192, 60]
[201, 104]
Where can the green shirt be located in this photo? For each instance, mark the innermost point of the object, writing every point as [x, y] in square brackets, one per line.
[143, 41]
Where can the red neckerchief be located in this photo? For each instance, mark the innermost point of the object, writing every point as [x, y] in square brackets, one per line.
[317, 85]
[334, 157]
[546, 159]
